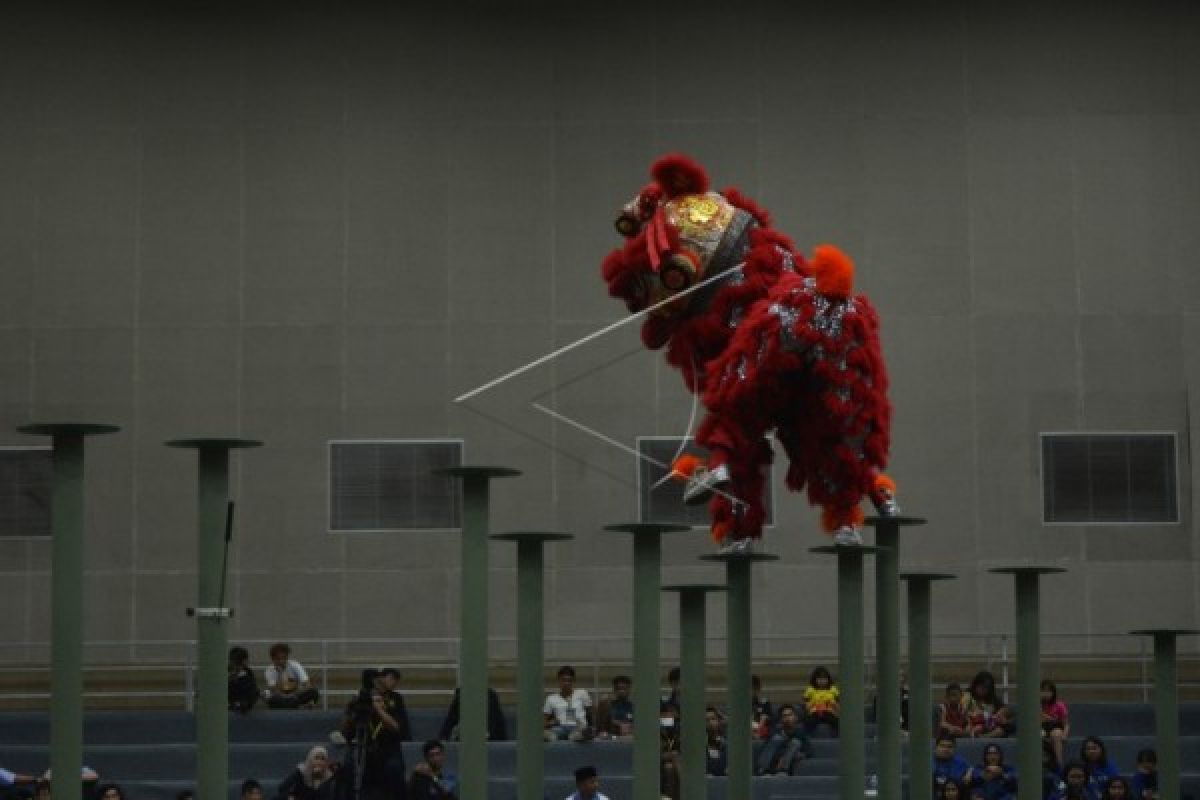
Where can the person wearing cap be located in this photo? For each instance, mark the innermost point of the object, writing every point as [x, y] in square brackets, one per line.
[587, 785]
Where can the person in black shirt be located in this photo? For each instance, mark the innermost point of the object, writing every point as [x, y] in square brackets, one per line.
[243, 688]
[497, 727]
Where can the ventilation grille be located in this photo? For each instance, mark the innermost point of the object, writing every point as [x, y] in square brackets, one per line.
[1109, 478]
[390, 486]
[665, 503]
[25, 475]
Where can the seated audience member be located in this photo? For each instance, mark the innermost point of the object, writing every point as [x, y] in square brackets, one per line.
[313, 779]
[668, 777]
[111, 791]
[1117, 788]
[251, 790]
[986, 716]
[566, 710]
[496, 724]
[787, 747]
[952, 717]
[668, 730]
[993, 779]
[388, 679]
[820, 701]
[1096, 763]
[614, 715]
[716, 756]
[10, 779]
[287, 681]
[1075, 784]
[430, 780]
[671, 698]
[1052, 782]
[948, 765]
[1055, 725]
[587, 785]
[243, 688]
[1145, 777]
[763, 716]
[949, 789]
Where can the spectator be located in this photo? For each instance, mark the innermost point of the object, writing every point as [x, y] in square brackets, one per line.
[1055, 725]
[668, 777]
[41, 789]
[820, 702]
[716, 758]
[614, 718]
[1096, 763]
[430, 780]
[1145, 777]
[251, 790]
[904, 696]
[374, 733]
[566, 711]
[672, 696]
[1052, 782]
[763, 715]
[9, 779]
[497, 727]
[948, 765]
[287, 682]
[949, 789]
[986, 715]
[243, 688]
[587, 785]
[952, 717]
[993, 779]
[313, 779]
[787, 747]
[388, 679]
[668, 730]
[1075, 784]
[1117, 788]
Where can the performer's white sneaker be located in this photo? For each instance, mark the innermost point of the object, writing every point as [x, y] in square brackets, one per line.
[736, 547]
[848, 536]
[702, 483]
[888, 507]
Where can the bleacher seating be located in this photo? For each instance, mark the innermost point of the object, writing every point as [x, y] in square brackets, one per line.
[153, 753]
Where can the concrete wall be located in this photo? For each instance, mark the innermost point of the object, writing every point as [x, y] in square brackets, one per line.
[314, 222]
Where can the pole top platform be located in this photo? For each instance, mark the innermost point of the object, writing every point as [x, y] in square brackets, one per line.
[478, 472]
[1026, 569]
[67, 428]
[899, 520]
[532, 536]
[730, 558]
[213, 443]
[1164, 632]
[839, 549]
[684, 588]
[927, 576]
[647, 528]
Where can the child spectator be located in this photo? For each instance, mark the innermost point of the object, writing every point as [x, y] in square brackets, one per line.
[787, 747]
[587, 785]
[566, 711]
[952, 718]
[1055, 725]
[949, 789]
[993, 779]
[243, 688]
[497, 726]
[762, 714]
[1075, 784]
[251, 790]
[948, 765]
[287, 681]
[986, 715]
[312, 779]
[1117, 788]
[1096, 763]
[111, 791]
[614, 718]
[820, 701]
[716, 759]
[1145, 777]
[430, 780]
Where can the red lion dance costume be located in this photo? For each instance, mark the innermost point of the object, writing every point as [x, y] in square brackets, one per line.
[769, 340]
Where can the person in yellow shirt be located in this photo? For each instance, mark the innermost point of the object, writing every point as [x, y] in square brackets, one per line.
[820, 702]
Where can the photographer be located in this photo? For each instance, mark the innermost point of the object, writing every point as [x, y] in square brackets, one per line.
[374, 736]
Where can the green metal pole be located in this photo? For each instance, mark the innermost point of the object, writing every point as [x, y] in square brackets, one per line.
[212, 615]
[920, 700]
[66, 586]
[530, 649]
[692, 735]
[1166, 707]
[473, 628]
[1029, 737]
[647, 566]
[887, 647]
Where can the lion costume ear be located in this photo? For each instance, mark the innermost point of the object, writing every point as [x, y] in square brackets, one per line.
[677, 174]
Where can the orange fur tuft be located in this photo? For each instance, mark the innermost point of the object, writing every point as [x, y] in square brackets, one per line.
[834, 271]
[721, 531]
[884, 483]
[685, 466]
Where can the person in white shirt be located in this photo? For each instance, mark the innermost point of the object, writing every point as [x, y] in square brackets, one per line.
[566, 711]
[287, 681]
[587, 785]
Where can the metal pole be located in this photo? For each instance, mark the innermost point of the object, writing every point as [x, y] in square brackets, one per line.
[647, 566]
[1029, 740]
[920, 700]
[473, 628]
[692, 735]
[1166, 707]
[530, 657]
[212, 615]
[66, 587]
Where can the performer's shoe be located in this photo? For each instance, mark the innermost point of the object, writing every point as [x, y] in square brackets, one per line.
[887, 506]
[702, 483]
[848, 536]
[736, 547]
